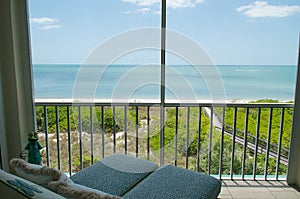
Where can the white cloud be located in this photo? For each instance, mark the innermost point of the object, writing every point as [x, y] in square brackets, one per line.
[143, 10]
[46, 23]
[170, 3]
[183, 3]
[48, 27]
[142, 2]
[139, 11]
[263, 9]
[44, 20]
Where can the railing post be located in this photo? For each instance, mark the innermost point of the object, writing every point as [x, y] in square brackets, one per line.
[137, 131]
[57, 136]
[279, 143]
[103, 129]
[80, 137]
[187, 138]
[148, 133]
[69, 140]
[114, 128]
[222, 143]
[125, 129]
[176, 136]
[210, 137]
[268, 144]
[256, 143]
[233, 143]
[92, 134]
[245, 143]
[199, 137]
[46, 136]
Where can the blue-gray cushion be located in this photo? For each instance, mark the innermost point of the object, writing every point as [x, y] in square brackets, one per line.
[115, 174]
[173, 182]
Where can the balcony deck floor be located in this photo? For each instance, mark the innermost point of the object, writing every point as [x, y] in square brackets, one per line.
[257, 190]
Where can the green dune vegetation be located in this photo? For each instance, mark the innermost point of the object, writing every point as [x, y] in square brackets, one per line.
[184, 137]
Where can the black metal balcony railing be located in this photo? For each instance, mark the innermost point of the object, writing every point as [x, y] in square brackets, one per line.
[235, 141]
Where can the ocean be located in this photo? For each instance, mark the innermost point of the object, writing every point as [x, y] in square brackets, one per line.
[183, 82]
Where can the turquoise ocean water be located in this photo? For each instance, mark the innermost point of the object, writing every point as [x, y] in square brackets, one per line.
[143, 82]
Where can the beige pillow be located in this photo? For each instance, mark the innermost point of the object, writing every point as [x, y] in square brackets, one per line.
[76, 191]
[38, 174]
[10, 188]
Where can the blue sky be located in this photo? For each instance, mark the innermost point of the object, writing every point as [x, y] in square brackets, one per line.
[232, 32]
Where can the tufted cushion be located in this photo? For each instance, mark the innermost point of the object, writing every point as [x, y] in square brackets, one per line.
[76, 191]
[173, 182]
[115, 174]
[38, 174]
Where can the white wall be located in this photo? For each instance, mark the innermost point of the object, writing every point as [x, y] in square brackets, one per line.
[17, 115]
[294, 159]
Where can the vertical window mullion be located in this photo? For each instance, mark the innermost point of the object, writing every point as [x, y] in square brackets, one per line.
[163, 75]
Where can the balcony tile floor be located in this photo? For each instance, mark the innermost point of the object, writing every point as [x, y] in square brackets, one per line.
[257, 189]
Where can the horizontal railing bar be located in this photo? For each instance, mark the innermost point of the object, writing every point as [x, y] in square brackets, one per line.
[246, 105]
[240, 105]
